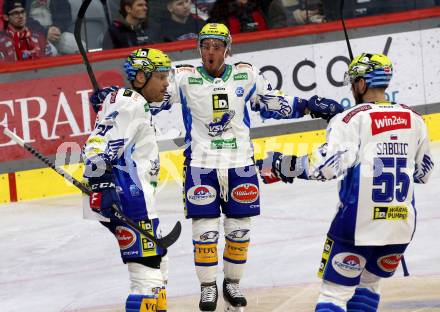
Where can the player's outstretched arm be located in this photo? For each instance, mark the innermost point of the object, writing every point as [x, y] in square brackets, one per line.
[278, 167]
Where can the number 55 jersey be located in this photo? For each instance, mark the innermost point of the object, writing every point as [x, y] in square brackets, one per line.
[381, 149]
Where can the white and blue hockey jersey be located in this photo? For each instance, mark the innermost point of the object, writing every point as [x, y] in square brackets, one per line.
[215, 114]
[381, 150]
[125, 133]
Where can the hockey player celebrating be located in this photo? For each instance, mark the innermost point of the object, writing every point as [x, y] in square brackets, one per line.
[219, 171]
[380, 149]
[122, 165]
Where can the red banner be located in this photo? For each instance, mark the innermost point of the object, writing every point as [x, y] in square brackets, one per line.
[49, 111]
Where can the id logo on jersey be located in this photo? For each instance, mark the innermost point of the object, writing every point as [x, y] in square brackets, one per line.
[220, 102]
[388, 121]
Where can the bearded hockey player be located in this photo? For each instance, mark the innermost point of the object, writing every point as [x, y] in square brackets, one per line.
[122, 165]
[381, 149]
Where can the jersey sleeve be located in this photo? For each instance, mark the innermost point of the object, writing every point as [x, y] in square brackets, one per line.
[273, 103]
[171, 95]
[424, 164]
[338, 154]
[115, 128]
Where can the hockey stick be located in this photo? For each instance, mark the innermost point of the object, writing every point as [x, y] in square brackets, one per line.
[347, 40]
[350, 52]
[163, 242]
[77, 34]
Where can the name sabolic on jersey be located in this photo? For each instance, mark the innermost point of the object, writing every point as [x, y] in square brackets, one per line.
[381, 150]
[125, 133]
[215, 114]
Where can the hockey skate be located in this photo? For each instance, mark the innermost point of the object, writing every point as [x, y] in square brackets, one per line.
[208, 297]
[234, 299]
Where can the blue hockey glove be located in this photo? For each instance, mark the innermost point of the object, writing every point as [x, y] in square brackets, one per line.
[103, 185]
[323, 108]
[98, 96]
[276, 167]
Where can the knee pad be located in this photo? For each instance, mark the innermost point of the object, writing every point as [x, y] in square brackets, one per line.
[141, 303]
[144, 280]
[236, 239]
[205, 238]
[334, 294]
[328, 307]
[363, 300]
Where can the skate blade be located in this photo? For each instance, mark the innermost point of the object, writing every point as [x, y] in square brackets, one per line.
[230, 308]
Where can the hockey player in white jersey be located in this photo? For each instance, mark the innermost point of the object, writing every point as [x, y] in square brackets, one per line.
[219, 171]
[381, 149]
[122, 165]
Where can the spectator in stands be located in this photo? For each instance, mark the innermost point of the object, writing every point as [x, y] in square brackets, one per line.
[133, 29]
[180, 24]
[53, 18]
[19, 42]
[239, 15]
[275, 13]
[302, 12]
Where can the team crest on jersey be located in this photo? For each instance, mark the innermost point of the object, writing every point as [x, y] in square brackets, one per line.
[348, 264]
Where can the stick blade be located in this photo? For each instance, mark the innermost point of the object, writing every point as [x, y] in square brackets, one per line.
[171, 238]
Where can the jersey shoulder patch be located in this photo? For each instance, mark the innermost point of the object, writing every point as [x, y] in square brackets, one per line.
[353, 112]
[409, 108]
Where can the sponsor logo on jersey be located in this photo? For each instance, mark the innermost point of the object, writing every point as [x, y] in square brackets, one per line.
[245, 193]
[147, 245]
[393, 213]
[239, 91]
[127, 92]
[219, 89]
[388, 121]
[201, 194]
[195, 81]
[241, 76]
[389, 263]
[352, 113]
[125, 236]
[348, 264]
[325, 256]
[220, 102]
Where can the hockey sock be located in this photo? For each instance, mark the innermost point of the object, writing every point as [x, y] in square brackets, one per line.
[328, 307]
[141, 303]
[162, 300]
[236, 247]
[205, 238]
[363, 300]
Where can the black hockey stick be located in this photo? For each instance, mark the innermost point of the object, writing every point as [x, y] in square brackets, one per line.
[163, 242]
[77, 33]
[347, 40]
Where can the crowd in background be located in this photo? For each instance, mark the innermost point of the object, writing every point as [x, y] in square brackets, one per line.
[32, 29]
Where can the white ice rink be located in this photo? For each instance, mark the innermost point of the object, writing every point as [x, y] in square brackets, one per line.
[52, 260]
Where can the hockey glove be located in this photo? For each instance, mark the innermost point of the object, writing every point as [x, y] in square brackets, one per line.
[102, 184]
[276, 167]
[98, 97]
[323, 108]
